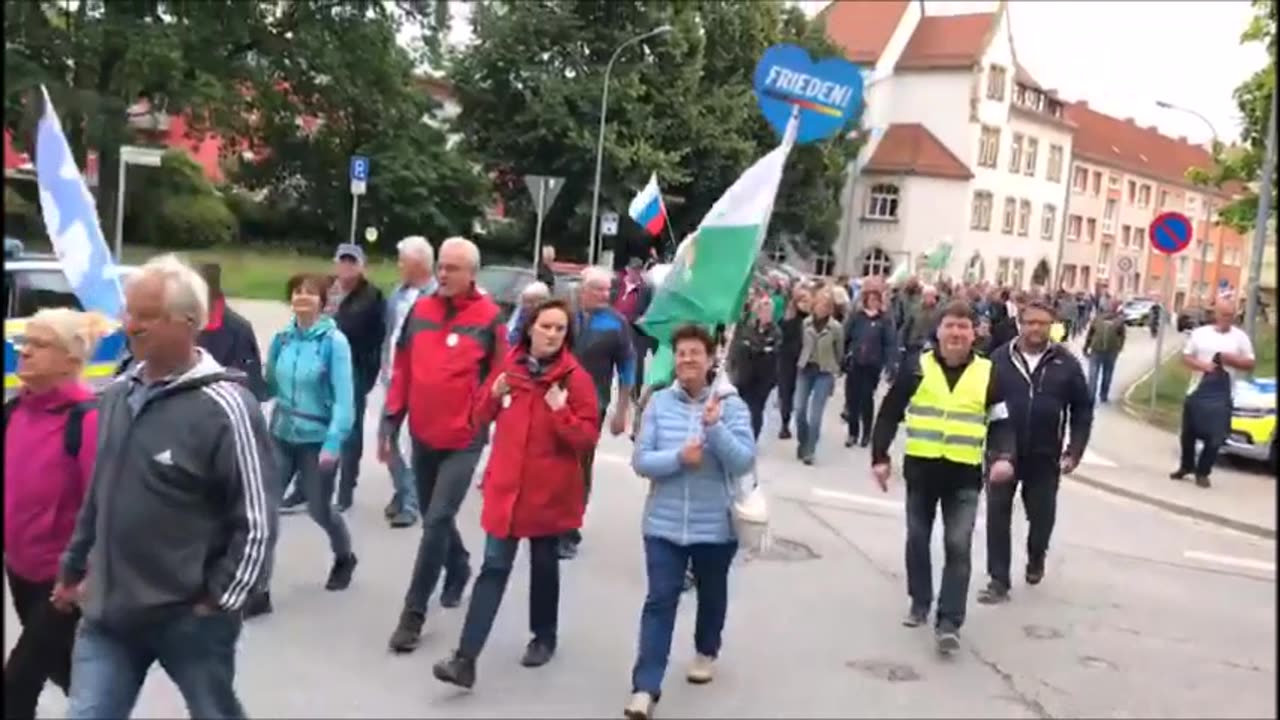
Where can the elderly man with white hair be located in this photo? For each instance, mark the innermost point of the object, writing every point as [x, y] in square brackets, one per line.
[533, 295]
[177, 525]
[417, 266]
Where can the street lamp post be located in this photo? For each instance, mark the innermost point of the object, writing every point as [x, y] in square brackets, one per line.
[1208, 203]
[604, 110]
[1260, 237]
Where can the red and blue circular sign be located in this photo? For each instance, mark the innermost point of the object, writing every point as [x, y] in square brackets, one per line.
[1170, 233]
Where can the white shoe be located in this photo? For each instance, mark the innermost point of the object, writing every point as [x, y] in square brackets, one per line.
[701, 670]
[640, 707]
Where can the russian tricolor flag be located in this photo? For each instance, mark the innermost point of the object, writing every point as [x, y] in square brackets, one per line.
[647, 208]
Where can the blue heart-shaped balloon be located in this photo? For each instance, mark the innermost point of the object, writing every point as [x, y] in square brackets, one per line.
[828, 93]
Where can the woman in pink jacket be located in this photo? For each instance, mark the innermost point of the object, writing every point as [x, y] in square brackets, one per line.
[50, 441]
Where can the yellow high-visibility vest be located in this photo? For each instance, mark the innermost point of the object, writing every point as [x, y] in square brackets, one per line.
[1057, 331]
[948, 424]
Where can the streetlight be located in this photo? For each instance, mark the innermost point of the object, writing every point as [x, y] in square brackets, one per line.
[1208, 204]
[130, 155]
[604, 109]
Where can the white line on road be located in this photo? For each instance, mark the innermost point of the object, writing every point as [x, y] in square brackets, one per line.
[1230, 561]
[1092, 458]
[615, 459]
[859, 499]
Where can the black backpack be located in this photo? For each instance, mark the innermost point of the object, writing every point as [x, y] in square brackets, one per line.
[73, 434]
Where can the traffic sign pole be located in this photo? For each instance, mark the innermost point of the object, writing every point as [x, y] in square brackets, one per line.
[1155, 373]
[359, 173]
[540, 199]
[1169, 233]
[355, 213]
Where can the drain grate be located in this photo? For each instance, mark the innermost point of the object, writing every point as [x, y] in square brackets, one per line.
[786, 550]
[885, 670]
[1041, 632]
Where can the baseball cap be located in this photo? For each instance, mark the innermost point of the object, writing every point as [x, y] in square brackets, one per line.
[351, 250]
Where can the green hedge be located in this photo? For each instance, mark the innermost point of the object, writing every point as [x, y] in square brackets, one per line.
[189, 222]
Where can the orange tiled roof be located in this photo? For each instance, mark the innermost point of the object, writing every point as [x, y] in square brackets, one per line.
[862, 28]
[910, 149]
[947, 41]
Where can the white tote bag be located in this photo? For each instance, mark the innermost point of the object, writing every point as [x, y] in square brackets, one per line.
[750, 512]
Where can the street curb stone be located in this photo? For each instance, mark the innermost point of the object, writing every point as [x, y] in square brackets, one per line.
[1177, 508]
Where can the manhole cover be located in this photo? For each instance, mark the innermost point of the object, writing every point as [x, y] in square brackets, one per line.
[1097, 663]
[1041, 632]
[784, 550]
[883, 670]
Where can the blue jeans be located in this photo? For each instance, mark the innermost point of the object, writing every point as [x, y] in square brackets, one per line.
[665, 564]
[405, 494]
[1101, 368]
[486, 594]
[959, 511]
[198, 652]
[443, 478]
[301, 462]
[813, 389]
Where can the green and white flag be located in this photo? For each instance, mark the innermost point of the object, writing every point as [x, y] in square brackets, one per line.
[711, 273]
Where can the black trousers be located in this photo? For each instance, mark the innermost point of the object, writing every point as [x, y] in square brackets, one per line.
[588, 461]
[487, 592]
[43, 650]
[1038, 478]
[1207, 419]
[787, 372]
[860, 384]
[755, 394]
[353, 447]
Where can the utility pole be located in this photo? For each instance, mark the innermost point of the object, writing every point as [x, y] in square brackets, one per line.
[1260, 237]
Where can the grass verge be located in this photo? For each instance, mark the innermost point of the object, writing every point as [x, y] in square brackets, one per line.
[1174, 377]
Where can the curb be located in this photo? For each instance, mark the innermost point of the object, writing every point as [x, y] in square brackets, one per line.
[1177, 508]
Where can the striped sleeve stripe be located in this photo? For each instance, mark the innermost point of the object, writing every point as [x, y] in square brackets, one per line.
[250, 467]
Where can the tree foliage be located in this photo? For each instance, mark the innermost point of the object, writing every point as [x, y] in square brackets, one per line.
[1242, 164]
[680, 105]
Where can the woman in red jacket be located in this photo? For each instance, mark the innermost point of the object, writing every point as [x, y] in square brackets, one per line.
[544, 404]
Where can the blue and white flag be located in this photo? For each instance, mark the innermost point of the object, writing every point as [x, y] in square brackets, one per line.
[71, 219]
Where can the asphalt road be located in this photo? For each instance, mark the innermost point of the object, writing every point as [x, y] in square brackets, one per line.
[1142, 614]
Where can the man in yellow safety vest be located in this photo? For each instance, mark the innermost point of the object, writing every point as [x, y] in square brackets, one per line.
[954, 412]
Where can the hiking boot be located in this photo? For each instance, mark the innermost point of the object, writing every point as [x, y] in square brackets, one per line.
[947, 638]
[457, 670]
[1035, 571]
[259, 603]
[455, 583]
[1179, 474]
[408, 632]
[850, 441]
[916, 617]
[537, 654]
[1202, 481]
[567, 549]
[783, 434]
[639, 707]
[701, 670]
[403, 519]
[340, 575]
[994, 593]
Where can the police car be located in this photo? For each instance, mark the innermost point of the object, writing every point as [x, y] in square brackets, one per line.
[33, 281]
[1253, 421]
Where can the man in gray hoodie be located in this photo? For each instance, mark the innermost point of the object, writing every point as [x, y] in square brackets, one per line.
[177, 526]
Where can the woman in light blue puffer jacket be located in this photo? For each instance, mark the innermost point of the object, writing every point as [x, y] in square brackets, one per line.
[695, 440]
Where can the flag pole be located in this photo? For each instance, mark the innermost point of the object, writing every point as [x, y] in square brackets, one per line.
[670, 233]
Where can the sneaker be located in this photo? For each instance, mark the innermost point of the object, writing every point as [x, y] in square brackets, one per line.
[294, 502]
[916, 617]
[701, 670]
[408, 632]
[455, 583]
[807, 459]
[865, 441]
[639, 707]
[993, 594]
[403, 519]
[537, 654]
[850, 441]
[1179, 474]
[340, 575]
[1035, 571]
[457, 670]
[392, 509]
[783, 434]
[947, 638]
[342, 507]
[1202, 481]
[259, 603]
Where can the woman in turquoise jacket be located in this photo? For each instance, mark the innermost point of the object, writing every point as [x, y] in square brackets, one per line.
[695, 441]
[309, 376]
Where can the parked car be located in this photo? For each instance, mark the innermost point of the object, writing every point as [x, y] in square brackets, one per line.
[1137, 311]
[1193, 317]
[1253, 421]
[504, 283]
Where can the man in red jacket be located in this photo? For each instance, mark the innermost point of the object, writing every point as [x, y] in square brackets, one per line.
[449, 342]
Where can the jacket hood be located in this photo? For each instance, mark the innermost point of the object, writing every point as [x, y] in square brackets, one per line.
[720, 387]
[561, 366]
[72, 391]
[323, 326]
[206, 370]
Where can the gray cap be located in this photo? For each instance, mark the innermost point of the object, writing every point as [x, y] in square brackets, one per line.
[351, 250]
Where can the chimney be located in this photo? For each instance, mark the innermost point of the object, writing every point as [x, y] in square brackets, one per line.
[1182, 139]
[1129, 121]
[1152, 128]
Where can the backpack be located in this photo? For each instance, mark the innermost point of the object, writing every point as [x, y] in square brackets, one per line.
[73, 431]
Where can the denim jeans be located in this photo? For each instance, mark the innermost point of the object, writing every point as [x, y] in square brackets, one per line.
[1038, 479]
[1101, 367]
[405, 491]
[959, 511]
[665, 564]
[813, 389]
[301, 462]
[443, 478]
[486, 594]
[198, 652]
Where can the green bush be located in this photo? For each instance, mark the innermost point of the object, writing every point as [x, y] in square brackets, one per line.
[189, 222]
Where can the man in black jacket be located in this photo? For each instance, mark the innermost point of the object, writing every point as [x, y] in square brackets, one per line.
[229, 337]
[1045, 390]
[360, 311]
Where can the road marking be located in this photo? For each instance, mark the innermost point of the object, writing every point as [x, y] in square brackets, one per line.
[895, 505]
[1230, 561]
[612, 458]
[1092, 458]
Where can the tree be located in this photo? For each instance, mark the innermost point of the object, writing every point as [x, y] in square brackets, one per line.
[1241, 165]
[680, 105]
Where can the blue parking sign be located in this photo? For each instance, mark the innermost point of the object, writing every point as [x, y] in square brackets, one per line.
[359, 168]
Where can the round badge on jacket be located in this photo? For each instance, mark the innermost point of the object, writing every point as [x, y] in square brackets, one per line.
[506, 401]
[452, 340]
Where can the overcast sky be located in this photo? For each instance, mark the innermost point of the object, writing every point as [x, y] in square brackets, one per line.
[1120, 56]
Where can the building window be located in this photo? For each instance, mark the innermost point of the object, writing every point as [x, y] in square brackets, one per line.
[1055, 163]
[1109, 217]
[1104, 255]
[1073, 227]
[876, 263]
[1132, 195]
[1113, 181]
[1048, 218]
[1010, 215]
[1139, 237]
[824, 265]
[1164, 198]
[989, 147]
[1144, 196]
[1084, 277]
[777, 252]
[995, 82]
[1002, 272]
[1097, 182]
[1080, 180]
[976, 270]
[1024, 217]
[882, 204]
[1015, 154]
[981, 212]
[1068, 276]
[1015, 277]
[1091, 230]
[1192, 201]
[1124, 236]
[1033, 145]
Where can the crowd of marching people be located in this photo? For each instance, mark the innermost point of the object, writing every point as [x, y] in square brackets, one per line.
[160, 554]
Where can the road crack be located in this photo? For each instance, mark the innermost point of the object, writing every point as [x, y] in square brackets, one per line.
[1024, 699]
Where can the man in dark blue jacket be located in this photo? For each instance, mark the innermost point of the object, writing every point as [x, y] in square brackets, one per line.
[1045, 390]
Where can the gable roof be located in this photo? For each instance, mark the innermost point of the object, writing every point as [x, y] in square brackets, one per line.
[862, 28]
[1125, 145]
[910, 149]
[947, 42]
